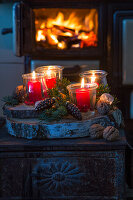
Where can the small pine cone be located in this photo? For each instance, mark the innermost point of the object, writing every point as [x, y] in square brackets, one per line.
[110, 133]
[96, 131]
[45, 104]
[73, 110]
[20, 93]
[102, 107]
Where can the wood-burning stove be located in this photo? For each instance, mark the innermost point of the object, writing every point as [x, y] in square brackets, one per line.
[65, 30]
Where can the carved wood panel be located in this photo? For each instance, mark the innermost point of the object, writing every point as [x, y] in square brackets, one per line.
[53, 175]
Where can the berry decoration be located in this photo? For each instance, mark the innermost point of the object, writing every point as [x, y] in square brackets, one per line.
[45, 104]
[73, 110]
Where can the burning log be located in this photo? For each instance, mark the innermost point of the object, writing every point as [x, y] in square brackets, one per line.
[89, 40]
[62, 38]
[69, 41]
[85, 31]
[65, 29]
[73, 41]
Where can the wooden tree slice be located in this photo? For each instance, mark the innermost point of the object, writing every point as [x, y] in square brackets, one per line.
[67, 128]
[20, 111]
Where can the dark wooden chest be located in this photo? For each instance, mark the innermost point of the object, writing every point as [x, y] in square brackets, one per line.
[73, 169]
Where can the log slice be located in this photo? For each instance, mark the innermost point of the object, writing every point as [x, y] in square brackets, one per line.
[20, 111]
[22, 121]
[66, 128]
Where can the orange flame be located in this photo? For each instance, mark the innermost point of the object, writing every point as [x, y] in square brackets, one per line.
[74, 26]
[33, 75]
[93, 77]
[82, 83]
[61, 45]
[40, 36]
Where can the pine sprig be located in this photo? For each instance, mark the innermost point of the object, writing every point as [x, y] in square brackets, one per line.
[102, 89]
[106, 89]
[61, 95]
[53, 114]
[115, 102]
[62, 85]
[60, 92]
[10, 100]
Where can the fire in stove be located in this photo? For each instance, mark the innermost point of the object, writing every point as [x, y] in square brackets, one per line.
[66, 29]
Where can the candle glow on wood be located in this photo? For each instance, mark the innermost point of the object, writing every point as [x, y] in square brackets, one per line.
[83, 98]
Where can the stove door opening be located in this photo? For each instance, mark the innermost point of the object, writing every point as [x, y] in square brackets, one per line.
[66, 28]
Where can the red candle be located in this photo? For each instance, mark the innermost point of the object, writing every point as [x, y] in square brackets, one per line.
[50, 82]
[34, 90]
[50, 79]
[83, 98]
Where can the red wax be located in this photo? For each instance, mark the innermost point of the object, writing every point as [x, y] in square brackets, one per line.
[97, 84]
[34, 90]
[83, 99]
[51, 82]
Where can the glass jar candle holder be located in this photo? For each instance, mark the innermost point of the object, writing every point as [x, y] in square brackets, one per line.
[85, 97]
[33, 82]
[51, 74]
[95, 76]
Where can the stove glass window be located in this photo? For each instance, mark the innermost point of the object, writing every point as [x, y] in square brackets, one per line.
[66, 28]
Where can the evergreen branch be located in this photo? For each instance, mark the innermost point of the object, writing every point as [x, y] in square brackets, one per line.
[53, 114]
[10, 100]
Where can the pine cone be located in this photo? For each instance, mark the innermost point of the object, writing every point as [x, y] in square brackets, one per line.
[110, 133]
[20, 93]
[73, 110]
[102, 107]
[96, 131]
[45, 104]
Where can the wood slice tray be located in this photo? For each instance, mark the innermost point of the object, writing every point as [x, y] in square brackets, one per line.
[20, 111]
[21, 121]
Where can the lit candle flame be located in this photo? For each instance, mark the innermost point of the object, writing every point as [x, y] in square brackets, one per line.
[82, 83]
[33, 75]
[93, 77]
[49, 72]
